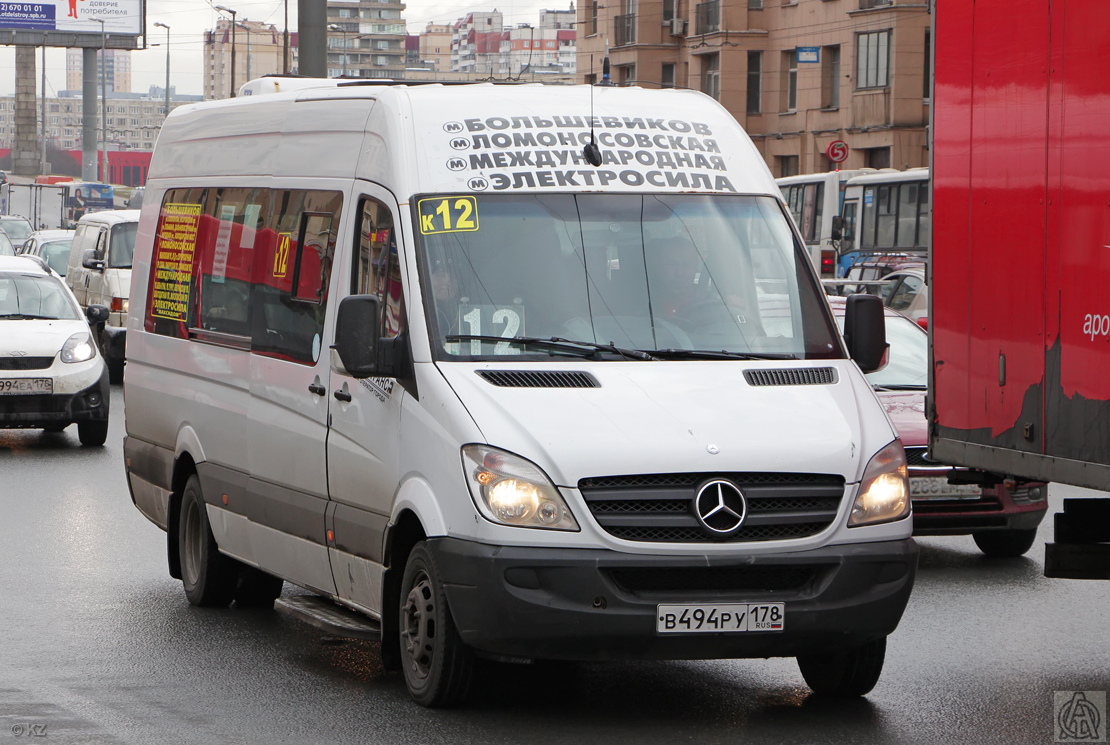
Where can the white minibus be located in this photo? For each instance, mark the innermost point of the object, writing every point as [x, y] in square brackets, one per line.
[886, 213]
[509, 373]
[814, 201]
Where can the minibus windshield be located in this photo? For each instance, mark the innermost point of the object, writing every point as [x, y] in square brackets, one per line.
[685, 276]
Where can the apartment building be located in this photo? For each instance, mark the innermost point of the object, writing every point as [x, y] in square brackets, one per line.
[797, 74]
[117, 63]
[259, 50]
[366, 39]
[133, 120]
[435, 47]
[476, 43]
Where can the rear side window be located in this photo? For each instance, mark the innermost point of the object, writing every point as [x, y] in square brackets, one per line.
[245, 267]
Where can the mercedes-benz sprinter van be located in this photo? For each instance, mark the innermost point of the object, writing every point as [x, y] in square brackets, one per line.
[513, 372]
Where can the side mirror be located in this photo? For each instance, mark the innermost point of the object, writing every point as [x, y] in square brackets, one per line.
[97, 314]
[837, 227]
[89, 260]
[923, 322]
[865, 331]
[356, 334]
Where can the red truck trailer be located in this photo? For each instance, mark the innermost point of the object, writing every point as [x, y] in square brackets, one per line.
[1020, 286]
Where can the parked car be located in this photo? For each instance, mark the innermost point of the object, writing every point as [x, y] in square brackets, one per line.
[906, 291]
[1001, 518]
[99, 273]
[15, 227]
[52, 245]
[51, 374]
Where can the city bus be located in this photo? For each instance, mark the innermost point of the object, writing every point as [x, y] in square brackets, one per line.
[885, 212]
[815, 200]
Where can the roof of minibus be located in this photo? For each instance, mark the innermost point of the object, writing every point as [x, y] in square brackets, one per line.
[469, 138]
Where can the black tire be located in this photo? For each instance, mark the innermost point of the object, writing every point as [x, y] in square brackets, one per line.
[256, 588]
[438, 667]
[845, 674]
[1005, 544]
[209, 577]
[92, 434]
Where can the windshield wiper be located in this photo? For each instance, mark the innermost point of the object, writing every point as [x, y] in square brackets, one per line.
[556, 344]
[908, 387]
[27, 317]
[719, 354]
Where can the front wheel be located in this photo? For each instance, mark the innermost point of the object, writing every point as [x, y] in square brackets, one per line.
[209, 577]
[92, 434]
[1005, 544]
[844, 674]
[438, 667]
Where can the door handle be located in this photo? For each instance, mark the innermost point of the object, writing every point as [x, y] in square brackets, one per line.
[319, 390]
[342, 395]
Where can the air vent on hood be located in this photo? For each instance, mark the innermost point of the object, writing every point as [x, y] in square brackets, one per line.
[797, 376]
[539, 379]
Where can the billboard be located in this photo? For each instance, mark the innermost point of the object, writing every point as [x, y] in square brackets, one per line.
[120, 16]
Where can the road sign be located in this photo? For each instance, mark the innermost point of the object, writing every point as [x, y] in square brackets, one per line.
[837, 151]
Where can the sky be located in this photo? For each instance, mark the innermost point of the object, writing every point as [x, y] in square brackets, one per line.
[188, 20]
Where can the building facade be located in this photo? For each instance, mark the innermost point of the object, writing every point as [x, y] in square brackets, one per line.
[366, 39]
[797, 74]
[116, 61]
[258, 50]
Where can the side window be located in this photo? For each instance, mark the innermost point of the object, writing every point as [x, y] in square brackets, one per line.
[101, 243]
[171, 295]
[904, 295]
[235, 219]
[291, 273]
[378, 271]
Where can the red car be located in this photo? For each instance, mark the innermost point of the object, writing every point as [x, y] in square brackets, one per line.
[1003, 517]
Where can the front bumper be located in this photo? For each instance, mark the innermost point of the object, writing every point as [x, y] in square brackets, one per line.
[995, 509]
[595, 604]
[58, 409]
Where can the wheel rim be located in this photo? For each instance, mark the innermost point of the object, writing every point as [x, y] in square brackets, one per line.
[418, 627]
[191, 549]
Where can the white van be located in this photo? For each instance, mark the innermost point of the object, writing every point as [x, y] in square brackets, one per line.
[99, 273]
[410, 348]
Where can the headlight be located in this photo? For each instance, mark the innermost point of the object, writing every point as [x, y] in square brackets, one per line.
[78, 348]
[884, 493]
[513, 491]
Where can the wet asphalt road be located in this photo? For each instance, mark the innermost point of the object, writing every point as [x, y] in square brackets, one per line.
[98, 645]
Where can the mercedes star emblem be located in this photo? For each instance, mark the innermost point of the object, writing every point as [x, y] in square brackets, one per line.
[720, 507]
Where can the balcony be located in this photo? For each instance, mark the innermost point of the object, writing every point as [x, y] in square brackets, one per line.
[625, 29]
[708, 17]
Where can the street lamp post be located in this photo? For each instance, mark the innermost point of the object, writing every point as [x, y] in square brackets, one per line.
[232, 13]
[103, 101]
[159, 24]
[340, 29]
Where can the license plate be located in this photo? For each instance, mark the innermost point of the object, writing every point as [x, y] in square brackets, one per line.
[728, 617]
[25, 386]
[937, 487]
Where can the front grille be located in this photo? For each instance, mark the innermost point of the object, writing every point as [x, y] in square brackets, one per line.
[792, 376]
[538, 379]
[25, 363]
[658, 507]
[37, 404]
[712, 579]
[918, 457]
